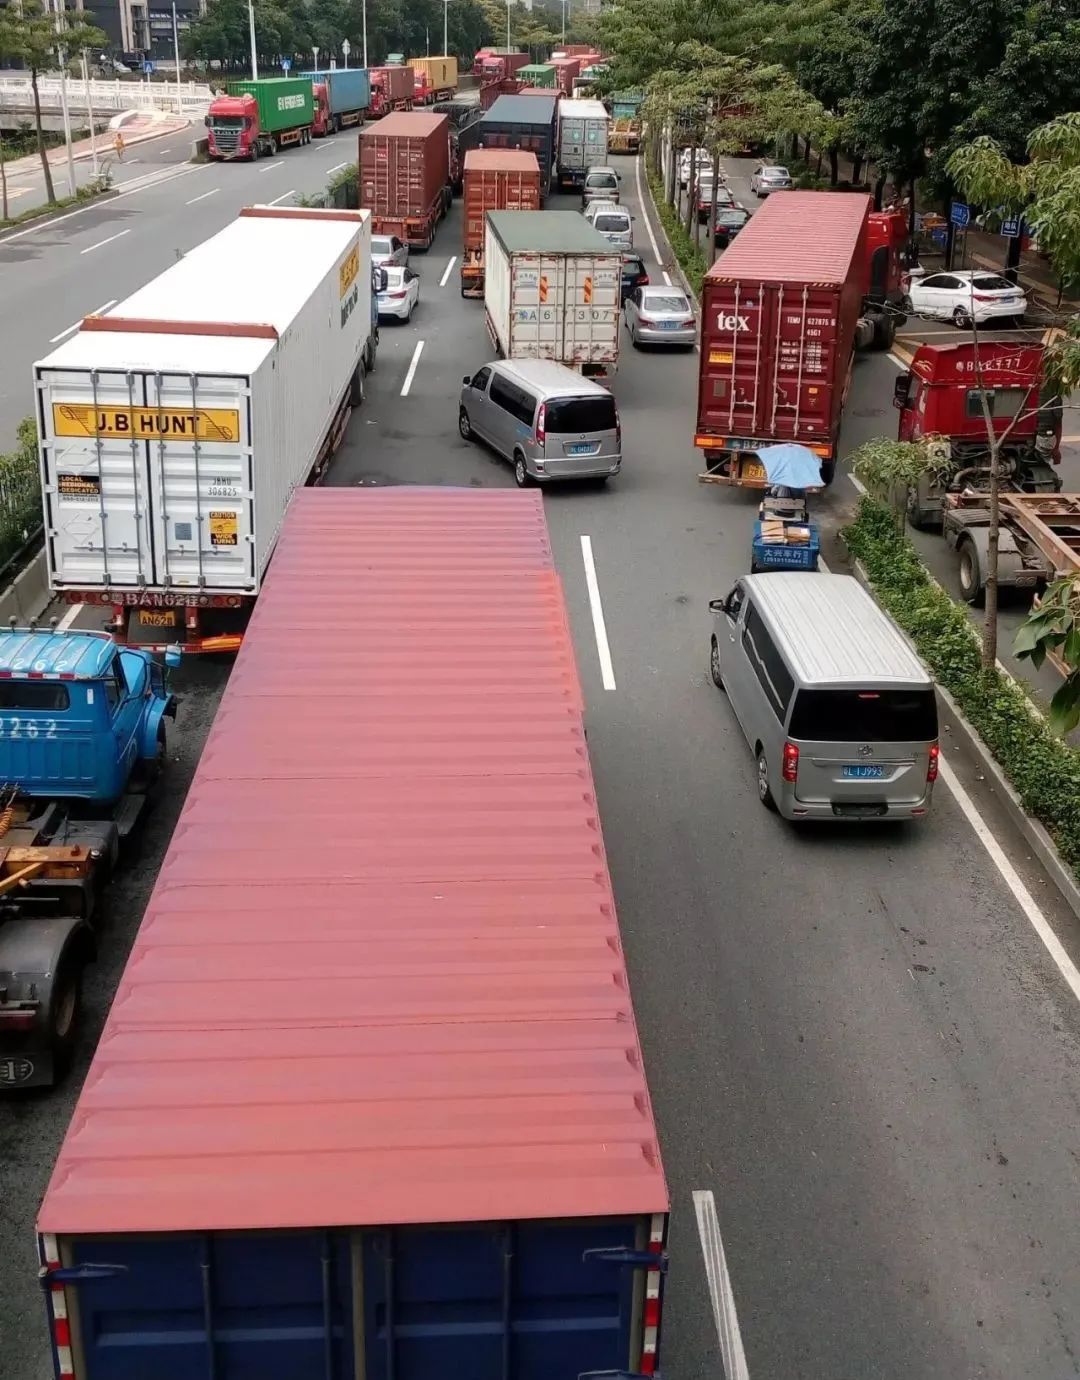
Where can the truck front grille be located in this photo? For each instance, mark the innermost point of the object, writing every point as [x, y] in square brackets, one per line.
[227, 140]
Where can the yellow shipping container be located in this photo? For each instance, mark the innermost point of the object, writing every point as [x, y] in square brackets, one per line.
[441, 72]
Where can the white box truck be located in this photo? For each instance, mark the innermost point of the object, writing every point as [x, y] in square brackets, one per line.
[583, 140]
[175, 427]
[551, 289]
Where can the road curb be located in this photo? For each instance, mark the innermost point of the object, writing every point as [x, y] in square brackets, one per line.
[673, 264]
[1038, 840]
[55, 213]
[28, 594]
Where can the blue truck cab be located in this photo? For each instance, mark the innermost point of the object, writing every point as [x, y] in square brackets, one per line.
[82, 738]
[81, 718]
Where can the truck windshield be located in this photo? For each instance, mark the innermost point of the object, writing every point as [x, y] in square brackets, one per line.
[226, 122]
[869, 716]
[580, 414]
[42, 695]
[1004, 402]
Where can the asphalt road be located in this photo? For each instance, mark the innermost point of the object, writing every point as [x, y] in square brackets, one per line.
[854, 1037]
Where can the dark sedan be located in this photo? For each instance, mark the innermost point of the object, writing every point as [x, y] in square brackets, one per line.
[729, 221]
[634, 275]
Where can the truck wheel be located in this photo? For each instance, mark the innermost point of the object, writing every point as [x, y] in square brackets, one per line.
[828, 472]
[356, 386]
[920, 514]
[148, 771]
[972, 575]
[884, 332]
[255, 151]
[64, 1013]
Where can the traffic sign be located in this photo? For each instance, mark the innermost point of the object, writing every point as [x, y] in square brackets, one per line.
[959, 214]
[148, 67]
[1012, 227]
[286, 63]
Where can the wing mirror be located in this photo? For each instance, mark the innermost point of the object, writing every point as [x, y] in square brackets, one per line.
[173, 656]
[901, 390]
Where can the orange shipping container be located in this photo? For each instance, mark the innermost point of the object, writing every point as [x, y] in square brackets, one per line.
[405, 174]
[494, 180]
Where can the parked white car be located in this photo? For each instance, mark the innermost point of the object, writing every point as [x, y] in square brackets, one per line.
[387, 250]
[963, 296]
[770, 177]
[703, 159]
[401, 295]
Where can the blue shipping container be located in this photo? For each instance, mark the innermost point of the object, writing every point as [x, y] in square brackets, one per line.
[347, 88]
[538, 1300]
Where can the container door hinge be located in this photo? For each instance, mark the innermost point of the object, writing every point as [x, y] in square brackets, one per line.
[78, 1274]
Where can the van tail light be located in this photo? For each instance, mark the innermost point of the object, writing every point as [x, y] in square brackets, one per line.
[541, 425]
[791, 762]
[933, 764]
[618, 429]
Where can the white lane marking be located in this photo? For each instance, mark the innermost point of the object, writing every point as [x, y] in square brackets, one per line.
[900, 363]
[449, 266]
[272, 167]
[667, 278]
[212, 192]
[69, 617]
[412, 369]
[336, 168]
[82, 210]
[101, 243]
[1024, 899]
[720, 1291]
[290, 192]
[603, 651]
[644, 212]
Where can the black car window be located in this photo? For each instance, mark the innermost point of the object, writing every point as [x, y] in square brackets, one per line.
[581, 414]
[1003, 402]
[481, 377]
[871, 716]
[994, 282]
[774, 676]
[42, 695]
[513, 399]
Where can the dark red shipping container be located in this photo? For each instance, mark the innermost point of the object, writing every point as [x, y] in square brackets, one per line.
[392, 88]
[492, 90]
[405, 174]
[566, 69]
[497, 180]
[778, 322]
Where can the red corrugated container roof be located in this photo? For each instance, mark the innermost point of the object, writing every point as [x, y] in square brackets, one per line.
[416, 124]
[379, 979]
[797, 237]
[501, 160]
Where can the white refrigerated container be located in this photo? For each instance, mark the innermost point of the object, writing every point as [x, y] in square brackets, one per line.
[175, 428]
[551, 289]
[583, 136]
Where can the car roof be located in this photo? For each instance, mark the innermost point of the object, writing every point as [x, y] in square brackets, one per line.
[600, 168]
[76, 656]
[831, 632]
[555, 379]
[661, 290]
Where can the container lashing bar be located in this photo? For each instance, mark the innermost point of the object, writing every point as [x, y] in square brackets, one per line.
[101, 479]
[136, 487]
[776, 359]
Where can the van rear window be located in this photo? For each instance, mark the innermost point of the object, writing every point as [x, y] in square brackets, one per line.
[43, 695]
[580, 414]
[868, 716]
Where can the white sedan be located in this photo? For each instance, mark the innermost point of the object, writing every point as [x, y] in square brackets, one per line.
[964, 296]
[401, 294]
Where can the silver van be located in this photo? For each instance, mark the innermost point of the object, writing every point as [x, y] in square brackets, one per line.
[614, 222]
[601, 184]
[839, 711]
[548, 421]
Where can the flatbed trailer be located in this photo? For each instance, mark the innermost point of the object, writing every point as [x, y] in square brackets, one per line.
[1038, 540]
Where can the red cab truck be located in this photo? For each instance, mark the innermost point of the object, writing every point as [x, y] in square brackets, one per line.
[940, 396]
[405, 175]
[434, 79]
[370, 1100]
[260, 117]
[782, 312]
[566, 69]
[342, 95]
[495, 180]
[392, 88]
[498, 63]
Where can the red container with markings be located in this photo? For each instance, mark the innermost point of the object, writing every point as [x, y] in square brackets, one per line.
[405, 174]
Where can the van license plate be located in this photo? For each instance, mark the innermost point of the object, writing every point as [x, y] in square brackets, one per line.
[581, 448]
[865, 773]
[150, 618]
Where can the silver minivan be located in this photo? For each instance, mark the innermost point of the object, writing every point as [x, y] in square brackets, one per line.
[548, 421]
[601, 184]
[839, 711]
[614, 222]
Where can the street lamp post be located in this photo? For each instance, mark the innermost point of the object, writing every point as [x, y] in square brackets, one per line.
[176, 58]
[62, 55]
[251, 30]
[363, 12]
[315, 55]
[346, 49]
[507, 26]
[90, 113]
[445, 27]
[564, 4]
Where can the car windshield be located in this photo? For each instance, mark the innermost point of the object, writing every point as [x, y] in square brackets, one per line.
[602, 180]
[633, 268]
[610, 223]
[776, 172]
[580, 414]
[732, 217]
[674, 301]
[380, 245]
[993, 282]
[869, 716]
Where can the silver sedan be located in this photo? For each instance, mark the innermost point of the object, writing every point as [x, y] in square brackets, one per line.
[660, 316]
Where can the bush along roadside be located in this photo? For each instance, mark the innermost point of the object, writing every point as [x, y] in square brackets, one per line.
[99, 187]
[1043, 769]
[20, 493]
[693, 262]
[342, 191]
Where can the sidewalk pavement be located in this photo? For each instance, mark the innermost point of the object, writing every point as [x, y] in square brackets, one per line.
[137, 126]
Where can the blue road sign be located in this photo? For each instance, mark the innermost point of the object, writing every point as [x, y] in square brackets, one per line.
[148, 67]
[959, 214]
[286, 63]
[1012, 227]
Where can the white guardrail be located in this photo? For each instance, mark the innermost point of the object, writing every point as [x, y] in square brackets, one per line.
[191, 99]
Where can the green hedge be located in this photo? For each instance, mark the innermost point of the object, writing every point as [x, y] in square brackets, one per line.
[20, 492]
[1044, 770]
[693, 262]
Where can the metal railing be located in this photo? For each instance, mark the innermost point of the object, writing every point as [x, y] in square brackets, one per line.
[192, 98]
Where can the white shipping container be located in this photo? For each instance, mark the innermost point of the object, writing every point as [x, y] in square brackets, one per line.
[583, 135]
[551, 288]
[175, 429]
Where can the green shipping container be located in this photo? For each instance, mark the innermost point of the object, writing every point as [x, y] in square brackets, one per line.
[284, 102]
[536, 74]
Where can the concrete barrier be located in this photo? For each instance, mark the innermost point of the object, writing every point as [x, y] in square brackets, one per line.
[28, 596]
[200, 148]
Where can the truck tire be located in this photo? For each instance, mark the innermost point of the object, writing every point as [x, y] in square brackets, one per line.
[972, 572]
[828, 472]
[884, 332]
[255, 151]
[921, 513]
[356, 386]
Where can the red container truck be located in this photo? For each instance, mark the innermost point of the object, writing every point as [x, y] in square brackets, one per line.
[392, 88]
[495, 180]
[405, 175]
[783, 310]
[566, 69]
[370, 1099]
[492, 90]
